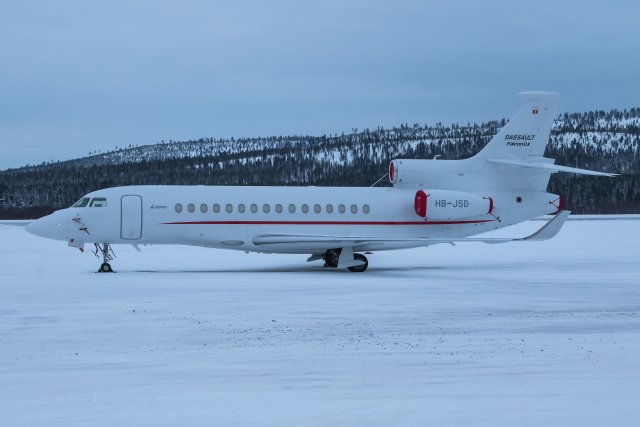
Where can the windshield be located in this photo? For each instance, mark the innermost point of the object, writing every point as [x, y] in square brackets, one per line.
[98, 202]
[81, 203]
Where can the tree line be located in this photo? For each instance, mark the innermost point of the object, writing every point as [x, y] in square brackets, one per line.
[599, 140]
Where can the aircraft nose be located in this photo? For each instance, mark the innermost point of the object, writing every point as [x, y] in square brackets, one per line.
[52, 226]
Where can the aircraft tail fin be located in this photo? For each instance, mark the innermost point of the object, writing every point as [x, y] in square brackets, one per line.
[517, 151]
[527, 133]
[512, 160]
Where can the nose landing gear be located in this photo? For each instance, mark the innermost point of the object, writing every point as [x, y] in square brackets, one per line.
[107, 255]
[105, 267]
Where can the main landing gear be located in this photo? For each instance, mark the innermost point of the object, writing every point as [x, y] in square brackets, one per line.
[332, 259]
[107, 255]
[362, 267]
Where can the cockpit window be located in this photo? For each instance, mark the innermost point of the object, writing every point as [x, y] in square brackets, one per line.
[98, 202]
[81, 203]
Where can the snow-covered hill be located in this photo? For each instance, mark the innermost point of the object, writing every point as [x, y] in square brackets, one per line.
[608, 141]
[610, 132]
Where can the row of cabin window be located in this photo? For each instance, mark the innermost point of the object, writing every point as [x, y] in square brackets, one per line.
[266, 208]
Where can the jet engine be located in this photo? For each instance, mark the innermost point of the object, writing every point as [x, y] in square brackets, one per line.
[444, 205]
[408, 172]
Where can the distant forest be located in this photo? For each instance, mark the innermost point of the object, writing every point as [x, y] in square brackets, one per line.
[608, 141]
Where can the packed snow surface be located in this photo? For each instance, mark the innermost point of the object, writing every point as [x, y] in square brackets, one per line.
[532, 334]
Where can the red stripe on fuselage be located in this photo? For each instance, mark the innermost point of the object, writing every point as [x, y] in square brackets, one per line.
[325, 222]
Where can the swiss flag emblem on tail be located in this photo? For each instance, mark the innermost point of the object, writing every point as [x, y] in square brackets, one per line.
[534, 111]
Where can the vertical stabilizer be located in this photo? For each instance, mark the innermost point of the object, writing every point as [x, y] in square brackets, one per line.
[527, 133]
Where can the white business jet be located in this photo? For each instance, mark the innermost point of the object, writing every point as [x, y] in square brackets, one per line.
[431, 202]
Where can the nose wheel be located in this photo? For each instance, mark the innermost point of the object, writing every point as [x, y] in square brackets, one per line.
[105, 267]
[107, 255]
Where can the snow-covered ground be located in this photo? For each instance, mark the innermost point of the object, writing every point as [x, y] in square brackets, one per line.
[533, 334]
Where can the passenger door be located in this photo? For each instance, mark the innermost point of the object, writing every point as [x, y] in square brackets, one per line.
[131, 217]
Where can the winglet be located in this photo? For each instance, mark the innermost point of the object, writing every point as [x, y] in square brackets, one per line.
[550, 229]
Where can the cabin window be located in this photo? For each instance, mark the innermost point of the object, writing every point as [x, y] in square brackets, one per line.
[98, 202]
[178, 207]
[305, 208]
[365, 209]
[279, 208]
[241, 208]
[317, 208]
[228, 207]
[81, 203]
[216, 208]
[204, 208]
[354, 209]
[266, 208]
[191, 208]
[329, 208]
[341, 209]
[254, 208]
[292, 208]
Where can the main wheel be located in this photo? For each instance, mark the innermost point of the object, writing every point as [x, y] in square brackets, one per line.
[359, 268]
[331, 259]
[105, 268]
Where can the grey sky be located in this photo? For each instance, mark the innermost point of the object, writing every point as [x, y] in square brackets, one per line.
[77, 76]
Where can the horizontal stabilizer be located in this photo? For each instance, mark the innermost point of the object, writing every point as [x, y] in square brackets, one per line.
[548, 167]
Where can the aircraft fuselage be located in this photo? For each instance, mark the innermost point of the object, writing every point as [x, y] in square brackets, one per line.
[231, 217]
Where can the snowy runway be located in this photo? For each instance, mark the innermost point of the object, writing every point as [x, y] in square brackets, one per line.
[530, 334]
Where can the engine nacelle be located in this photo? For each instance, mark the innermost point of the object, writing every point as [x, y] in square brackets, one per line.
[408, 172]
[443, 205]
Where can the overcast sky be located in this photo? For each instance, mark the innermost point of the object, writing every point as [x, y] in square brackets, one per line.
[79, 76]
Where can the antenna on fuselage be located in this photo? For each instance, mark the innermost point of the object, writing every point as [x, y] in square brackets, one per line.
[381, 178]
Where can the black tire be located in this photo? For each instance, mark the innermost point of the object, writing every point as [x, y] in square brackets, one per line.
[331, 259]
[105, 268]
[359, 268]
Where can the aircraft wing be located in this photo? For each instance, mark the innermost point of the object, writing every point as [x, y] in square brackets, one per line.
[549, 230]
